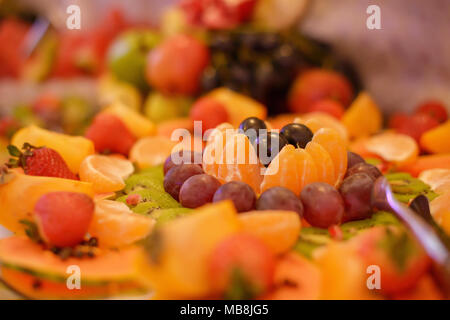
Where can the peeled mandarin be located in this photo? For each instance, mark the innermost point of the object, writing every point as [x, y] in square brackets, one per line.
[333, 143]
[71, 148]
[437, 179]
[323, 161]
[292, 168]
[240, 162]
[393, 147]
[107, 174]
[279, 230]
[115, 225]
[151, 151]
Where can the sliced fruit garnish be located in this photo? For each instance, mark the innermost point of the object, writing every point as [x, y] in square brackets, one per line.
[393, 147]
[106, 173]
[151, 151]
[323, 161]
[115, 225]
[437, 179]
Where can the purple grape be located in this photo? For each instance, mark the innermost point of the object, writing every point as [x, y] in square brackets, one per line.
[323, 205]
[279, 198]
[240, 193]
[356, 191]
[180, 157]
[353, 158]
[176, 176]
[366, 168]
[198, 190]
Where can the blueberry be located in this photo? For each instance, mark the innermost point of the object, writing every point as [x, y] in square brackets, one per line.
[297, 134]
[252, 123]
[269, 145]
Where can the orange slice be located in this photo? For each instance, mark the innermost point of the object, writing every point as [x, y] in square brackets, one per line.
[437, 179]
[216, 141]
[278, 229]
[333, 143]
[107, 174]
[240, 162]
[151, 151]
[292, 168]
[115, 225]
[393, 147]
[437, 140]
[323, 161]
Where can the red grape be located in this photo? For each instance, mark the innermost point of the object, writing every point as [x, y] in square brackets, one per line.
[356, 191]
[353, 159]
[323, 205]
[240, 193]
[176, 176]
[366, 168]
[279, 198]
[198, 190]
[184, 156]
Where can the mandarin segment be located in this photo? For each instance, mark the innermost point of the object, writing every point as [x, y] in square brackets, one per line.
[240, 162]
[333, 143]
[106, 173]
[292, 168]
[323, 161]
[151, 151]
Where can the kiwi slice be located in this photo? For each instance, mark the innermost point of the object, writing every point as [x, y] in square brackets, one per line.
[406, 188]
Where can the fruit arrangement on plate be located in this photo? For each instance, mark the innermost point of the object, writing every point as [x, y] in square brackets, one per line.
[247, 173]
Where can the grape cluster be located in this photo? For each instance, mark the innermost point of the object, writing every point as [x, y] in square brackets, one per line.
[259, 64]
[264, 64]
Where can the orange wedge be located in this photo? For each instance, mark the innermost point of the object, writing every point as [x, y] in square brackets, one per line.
[393, 147]
[333, 143]
[323, 161]
[151, 151]
[106, 173]
[115, 225]
[437, 140]
[437, 179]
[212, 155]
[292, 168]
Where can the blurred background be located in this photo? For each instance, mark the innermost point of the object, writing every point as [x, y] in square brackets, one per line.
[401, 65]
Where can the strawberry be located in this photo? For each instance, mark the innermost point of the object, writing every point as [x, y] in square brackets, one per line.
[40, 161]
[110, 134]
[417, 125]
[435, 109]
[8, 126]
[63, 218]
[241, 267]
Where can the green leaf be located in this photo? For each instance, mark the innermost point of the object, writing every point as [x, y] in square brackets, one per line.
[14, 151]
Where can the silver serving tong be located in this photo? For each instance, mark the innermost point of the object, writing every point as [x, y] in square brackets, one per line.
[428, 238]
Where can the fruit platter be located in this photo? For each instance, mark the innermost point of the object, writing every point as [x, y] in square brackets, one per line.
[226, 156]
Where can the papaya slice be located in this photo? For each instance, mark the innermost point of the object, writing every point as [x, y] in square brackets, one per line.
[33, 287]
[422, 163]
[101, 274]
[296, 278]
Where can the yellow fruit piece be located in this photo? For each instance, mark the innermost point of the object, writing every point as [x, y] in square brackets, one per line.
[151, 151]
[323, 161]
[110, 91]
[437, 140]
[115, 225]
[138, 125]
[106, 173]
[72, 149]
[393, 147]
[238, 106]
[333, 143]
[363, 117]
[437, 179]
[19, 195]
[344, 275]
[176, 264]
[279, 230]
[319, 120]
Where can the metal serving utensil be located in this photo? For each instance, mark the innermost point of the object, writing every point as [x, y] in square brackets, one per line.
[428, 238]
